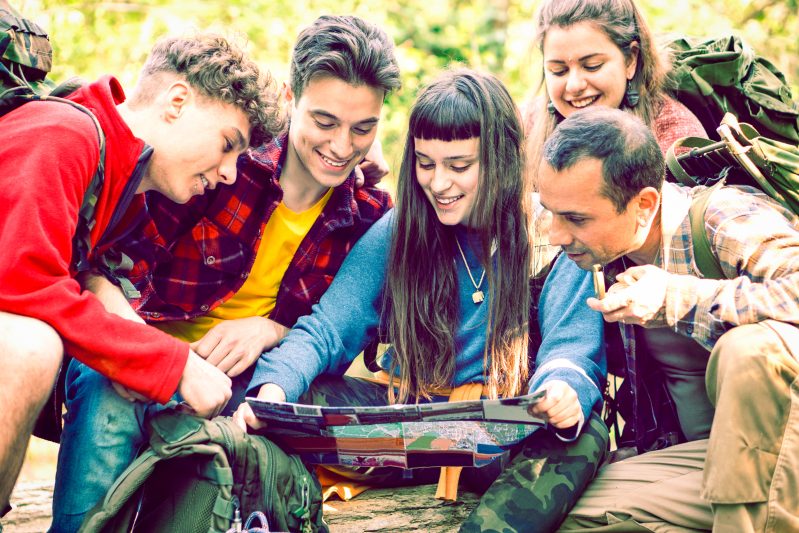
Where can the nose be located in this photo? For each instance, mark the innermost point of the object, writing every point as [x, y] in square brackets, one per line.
[441, 181]
[558, 235]
[227, 169]
[341, 144]
[575, 83]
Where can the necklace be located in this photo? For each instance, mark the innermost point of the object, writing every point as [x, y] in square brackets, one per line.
[477, 295]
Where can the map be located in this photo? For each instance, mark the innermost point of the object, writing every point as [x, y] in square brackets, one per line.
[468, 433]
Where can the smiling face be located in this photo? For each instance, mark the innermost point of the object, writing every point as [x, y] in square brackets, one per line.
[583, 67]
[333, 125]
[585, 222]
[449, 174]
[195, 146]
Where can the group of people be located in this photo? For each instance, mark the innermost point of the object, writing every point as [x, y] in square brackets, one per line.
[235, 251]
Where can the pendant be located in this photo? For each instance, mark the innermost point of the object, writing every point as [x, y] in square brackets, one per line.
[478, 296]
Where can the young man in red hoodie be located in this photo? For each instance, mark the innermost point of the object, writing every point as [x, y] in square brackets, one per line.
[199, 103]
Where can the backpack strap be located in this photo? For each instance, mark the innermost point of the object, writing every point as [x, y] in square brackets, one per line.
[81, 241]
[698, 145]
[703, 253]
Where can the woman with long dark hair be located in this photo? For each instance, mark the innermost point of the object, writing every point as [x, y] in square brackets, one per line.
[446, 279]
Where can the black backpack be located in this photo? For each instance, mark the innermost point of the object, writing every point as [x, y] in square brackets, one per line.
[208, 475]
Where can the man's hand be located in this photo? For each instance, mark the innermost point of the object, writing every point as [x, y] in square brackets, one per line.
[638, 297]
[245, 417]
[233, 345]
[204, 387]
[373, 168]
[560, 407]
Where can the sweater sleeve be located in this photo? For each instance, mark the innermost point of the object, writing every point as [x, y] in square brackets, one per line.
[344, 321]
[42, 182]
[572, 348]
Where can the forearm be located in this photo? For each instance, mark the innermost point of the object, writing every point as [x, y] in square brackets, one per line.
[110, 295]
[705, 309]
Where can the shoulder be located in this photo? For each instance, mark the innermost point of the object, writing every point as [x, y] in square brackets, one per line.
[62, 123]
[675, 121]
[742, 201]
[372, 202]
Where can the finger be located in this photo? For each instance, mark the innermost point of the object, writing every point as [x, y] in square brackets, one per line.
[251, 420]
[238, 418]
[566, 421]
[220, 353]
[359, 179]
[240, 366]
[206, 344]
[122, 391]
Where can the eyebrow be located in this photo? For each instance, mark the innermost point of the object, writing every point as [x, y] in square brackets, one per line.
[451, 158]
[584, 58]
[239, 139]
[331, 116]
[563, 213]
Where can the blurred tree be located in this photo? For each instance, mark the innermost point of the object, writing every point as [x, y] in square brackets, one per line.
[93, 37]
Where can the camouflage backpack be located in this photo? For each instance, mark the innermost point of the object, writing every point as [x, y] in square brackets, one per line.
[25, 61]
[206, 476]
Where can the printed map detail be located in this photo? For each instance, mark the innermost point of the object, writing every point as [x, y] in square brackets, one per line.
[469, 433]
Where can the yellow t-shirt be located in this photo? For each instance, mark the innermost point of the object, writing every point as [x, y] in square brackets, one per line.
[282, 235]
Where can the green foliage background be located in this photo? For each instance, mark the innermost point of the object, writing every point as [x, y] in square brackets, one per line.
[94, 37]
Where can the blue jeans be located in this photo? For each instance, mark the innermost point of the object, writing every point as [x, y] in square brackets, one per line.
[103, 433]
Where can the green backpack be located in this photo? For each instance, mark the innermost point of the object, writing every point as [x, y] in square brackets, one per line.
[746, 105]
[205, 476]
[724, 75]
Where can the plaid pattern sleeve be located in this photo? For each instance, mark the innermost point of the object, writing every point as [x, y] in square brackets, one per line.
[191, 258]
[757, 244]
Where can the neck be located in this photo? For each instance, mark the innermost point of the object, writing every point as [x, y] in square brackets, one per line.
[137, 123]
[649, 251]
[300, 190]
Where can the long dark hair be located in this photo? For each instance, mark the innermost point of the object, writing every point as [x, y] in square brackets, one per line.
[422, 276]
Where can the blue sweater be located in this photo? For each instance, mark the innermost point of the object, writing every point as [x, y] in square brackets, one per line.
[348, 318]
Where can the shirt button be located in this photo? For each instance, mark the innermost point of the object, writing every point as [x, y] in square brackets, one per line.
[156, 315]
[203, 308]
[689, 329]
[244, 275]
[210, 260]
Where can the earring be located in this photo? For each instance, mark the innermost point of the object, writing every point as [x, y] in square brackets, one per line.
[631, 95]
[551, 108]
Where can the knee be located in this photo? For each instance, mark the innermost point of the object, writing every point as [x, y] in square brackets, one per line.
[747, 356]
[31, 353]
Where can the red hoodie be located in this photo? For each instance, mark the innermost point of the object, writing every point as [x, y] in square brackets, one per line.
[48, 154]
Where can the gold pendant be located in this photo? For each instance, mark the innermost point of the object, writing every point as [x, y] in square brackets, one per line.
[478, 296]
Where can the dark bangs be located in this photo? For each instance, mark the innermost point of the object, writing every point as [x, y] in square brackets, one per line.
[445, 113]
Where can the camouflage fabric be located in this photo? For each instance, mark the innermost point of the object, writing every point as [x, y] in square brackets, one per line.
[534, 492]
[25, 52]
[542, 483]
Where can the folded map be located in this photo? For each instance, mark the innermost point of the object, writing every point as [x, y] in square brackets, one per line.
[466, 433]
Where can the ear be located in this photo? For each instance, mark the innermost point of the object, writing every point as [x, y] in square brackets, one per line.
[286, 92]
[648, 201]
[632, 60]
[178, 96]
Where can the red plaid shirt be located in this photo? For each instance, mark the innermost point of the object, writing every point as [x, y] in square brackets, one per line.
[193, 257]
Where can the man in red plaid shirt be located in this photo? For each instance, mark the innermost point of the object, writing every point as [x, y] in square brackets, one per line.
[229, 272]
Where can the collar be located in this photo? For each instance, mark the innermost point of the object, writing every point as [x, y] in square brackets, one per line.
[674, 206]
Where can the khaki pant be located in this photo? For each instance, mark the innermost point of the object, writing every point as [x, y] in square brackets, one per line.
[744, 478]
